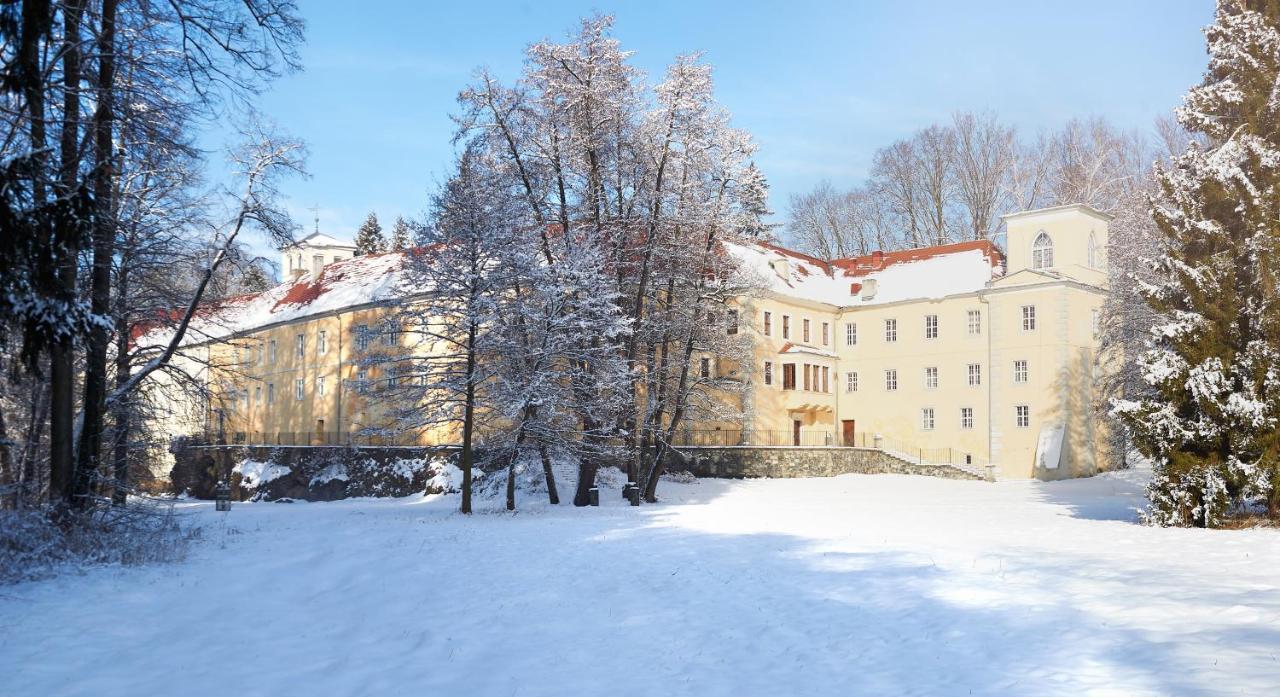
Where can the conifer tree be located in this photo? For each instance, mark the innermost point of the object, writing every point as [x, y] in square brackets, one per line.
[1213, 361]
[369, 239]
[401, 235]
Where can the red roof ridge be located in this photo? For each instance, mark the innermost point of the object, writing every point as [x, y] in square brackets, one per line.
[821, 263]
[878, 260]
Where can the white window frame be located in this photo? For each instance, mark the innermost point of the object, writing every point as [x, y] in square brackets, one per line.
[891, 330]
[300, 346]
[890, 379]
[319, 385]
[851, 381]
[1022, 415]
[850, 333]
[1042, 251]
[768, 372]
[766, 323]
[975, 374]
[299, 389]
[1021, 371]
[362, 381]
[322, 343]
[271, 393]
[931, 377]
[966, 418]
[927, 420]
[1028, 318]
[271, 351]
[930, 326]
[975, 322]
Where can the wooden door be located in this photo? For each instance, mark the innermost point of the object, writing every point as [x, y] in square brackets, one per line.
[795, 432]
[848, 432]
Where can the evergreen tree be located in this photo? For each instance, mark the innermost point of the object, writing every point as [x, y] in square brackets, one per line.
[401, 235]
[369, 239]
[1213, 360]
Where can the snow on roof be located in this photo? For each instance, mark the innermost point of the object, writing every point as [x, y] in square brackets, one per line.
[805, 348]
[362, 280]
[319, 239]
[911, 274]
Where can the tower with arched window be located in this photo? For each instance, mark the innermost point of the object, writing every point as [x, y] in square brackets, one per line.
[1065, 241]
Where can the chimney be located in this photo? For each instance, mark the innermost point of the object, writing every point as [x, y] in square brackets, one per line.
[869, 289]
[781, 267]
[877, 258]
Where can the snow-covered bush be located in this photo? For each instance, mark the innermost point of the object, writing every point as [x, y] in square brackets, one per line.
[39, 542]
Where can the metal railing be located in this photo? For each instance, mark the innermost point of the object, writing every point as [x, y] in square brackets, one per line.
[330, 438]
[911, 452]
[722, 437]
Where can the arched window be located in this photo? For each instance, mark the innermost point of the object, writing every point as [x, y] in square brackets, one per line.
[1042, 252]
[1093, 251]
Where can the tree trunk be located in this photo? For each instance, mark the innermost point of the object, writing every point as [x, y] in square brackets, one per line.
[62, 358]
[120, 412]
[552, 495]
[104, 236]
[468, 419]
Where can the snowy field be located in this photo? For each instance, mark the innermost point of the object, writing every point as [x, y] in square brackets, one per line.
[857, 585]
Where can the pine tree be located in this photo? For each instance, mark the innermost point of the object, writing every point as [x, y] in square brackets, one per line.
[401, 235]
[1213, 360]
[369, 239]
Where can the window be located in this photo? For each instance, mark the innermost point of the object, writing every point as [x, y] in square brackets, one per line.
[926, 418]
[826, 334]
[1042, 252]
[786, 326]
[257, 394]
[1020, 371]
[733, 322]
[931, 378]
[806, 331]
[262, 354]
[391, 334]
[704, 367]
[301, 346]
[966, 417]
[826, 379]
[271, 393]
[320, 386]
[808, 382]
[891, 330]
[768, 372]
[317, 263]
[1023, 413]
[389, 378]
[1093, 251]
[975, 322]
[975, 374]
[322, 343]
[768, 324]
[271, 350]
[851, 382]
[299, 386]
[1028, 318]
[891, 379]
[788, 376]
[930, 326]
[362, 381]
[850, 333]
[362, 337]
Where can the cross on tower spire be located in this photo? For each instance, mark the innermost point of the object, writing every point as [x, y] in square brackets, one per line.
[316, 210]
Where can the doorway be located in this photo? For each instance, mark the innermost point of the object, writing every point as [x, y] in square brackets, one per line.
[795, 432]
[847, 430]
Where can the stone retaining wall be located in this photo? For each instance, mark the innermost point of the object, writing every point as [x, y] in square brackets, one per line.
[313, 473]
[784, 462]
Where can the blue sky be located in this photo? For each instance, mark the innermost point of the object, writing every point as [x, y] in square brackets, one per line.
[820, 85]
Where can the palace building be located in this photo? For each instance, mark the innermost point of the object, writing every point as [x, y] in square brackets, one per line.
[958, 353]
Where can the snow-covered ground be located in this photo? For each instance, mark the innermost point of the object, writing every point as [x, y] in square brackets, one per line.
[855, 585]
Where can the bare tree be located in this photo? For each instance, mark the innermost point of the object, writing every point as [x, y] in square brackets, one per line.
[985, 152]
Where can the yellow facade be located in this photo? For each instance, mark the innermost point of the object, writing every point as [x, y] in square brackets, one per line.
[974, 378]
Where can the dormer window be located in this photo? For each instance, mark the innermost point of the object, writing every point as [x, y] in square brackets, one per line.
[1042, 252]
